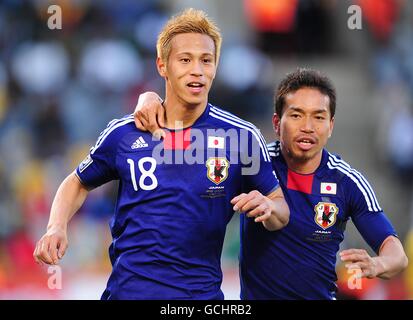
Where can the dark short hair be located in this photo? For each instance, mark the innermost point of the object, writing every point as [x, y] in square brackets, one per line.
[304, 78]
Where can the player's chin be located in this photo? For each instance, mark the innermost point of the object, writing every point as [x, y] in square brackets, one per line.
[194, 101]
[305, 155]
[301, 155]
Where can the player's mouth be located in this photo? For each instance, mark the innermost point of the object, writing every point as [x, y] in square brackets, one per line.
[195, 87]
[305, 143]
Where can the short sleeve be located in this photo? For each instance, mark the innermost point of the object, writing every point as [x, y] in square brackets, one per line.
[99, 167]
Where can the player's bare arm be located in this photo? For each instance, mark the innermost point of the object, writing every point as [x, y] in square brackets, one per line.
[69, 198]
[271, 210]
[149, 114]
[391, 260]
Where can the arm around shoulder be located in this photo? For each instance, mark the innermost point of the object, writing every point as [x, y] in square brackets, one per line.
[149, 113]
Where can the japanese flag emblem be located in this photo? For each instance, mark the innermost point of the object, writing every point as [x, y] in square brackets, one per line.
[328, 188]
[216, 142]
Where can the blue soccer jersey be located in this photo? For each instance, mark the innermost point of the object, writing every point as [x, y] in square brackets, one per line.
[298, 261]
[173, 201]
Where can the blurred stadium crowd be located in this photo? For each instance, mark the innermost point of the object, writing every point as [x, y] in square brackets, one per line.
[59, 88]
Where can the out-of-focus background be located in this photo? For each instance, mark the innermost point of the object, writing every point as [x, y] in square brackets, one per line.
[59, 88]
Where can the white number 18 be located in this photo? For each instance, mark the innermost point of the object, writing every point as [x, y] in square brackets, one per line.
[144, 174]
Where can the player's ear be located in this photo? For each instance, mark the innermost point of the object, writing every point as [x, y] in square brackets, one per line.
[276, 123]
[161, 67]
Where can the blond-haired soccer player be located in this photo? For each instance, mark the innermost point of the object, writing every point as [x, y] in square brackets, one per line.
[177, 195]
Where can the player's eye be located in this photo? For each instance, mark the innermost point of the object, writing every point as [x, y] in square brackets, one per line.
[185, 60]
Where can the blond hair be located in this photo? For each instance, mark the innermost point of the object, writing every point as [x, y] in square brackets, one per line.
[189, 21]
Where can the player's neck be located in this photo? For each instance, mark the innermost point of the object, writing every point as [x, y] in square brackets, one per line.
[302, 166]
[181, 115]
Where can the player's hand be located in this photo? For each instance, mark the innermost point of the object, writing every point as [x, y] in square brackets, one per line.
[149, 114]
[254, 204]
[51, 247]
[360, 259]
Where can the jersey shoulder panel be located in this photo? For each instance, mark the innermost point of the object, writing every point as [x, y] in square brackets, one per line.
[274, 149]
[109, 138]
[353, 181]
[226, 120]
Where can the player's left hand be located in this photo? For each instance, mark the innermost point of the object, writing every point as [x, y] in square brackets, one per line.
[360, 259]
[149, 114]
[254, 204]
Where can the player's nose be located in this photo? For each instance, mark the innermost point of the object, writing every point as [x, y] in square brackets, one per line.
[196, 69]
[307, 125]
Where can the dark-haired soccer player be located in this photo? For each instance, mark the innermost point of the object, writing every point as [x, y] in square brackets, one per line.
[323, 193]
[170, 218]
